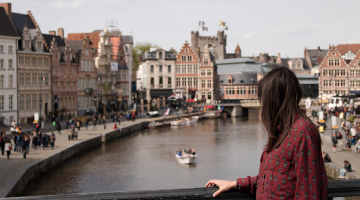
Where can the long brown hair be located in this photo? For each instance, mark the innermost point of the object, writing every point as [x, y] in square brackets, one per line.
[279, 95]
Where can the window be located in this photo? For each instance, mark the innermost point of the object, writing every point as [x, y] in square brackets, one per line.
[186, 50]
[10, 49]
[160, 55]
[357, 83]
[28, 101]
[169, 81]
[33, 61]
[1, 49]
[189, 82]
[183, 69]
[358, 63]
[39, 45]
[152, 68]
[241, 90]
[27, 61]
[10, 102]
[160, 80]
[252, 90]
[177, 69]
[177, 82]
[293, 65]
[208, 72]
[45, 62]
[40, 61]
[152, 81]
[203, 84]
[195, 69]
[326, 83]
[230, 80]
[342, 72]
[195, 81]
[10, 64]
[21, 102]
[206, 61]
[21, 78]
[1, 81]
[21, 60]
[90, 65]
[209, 95]
[351, 73]
[34, 101]
[358, 73]
[46, 76]
[331, 62]
[189, 58]
[40, 79]
[27, 79]
[337, 62]
[169, 68]
[190, 69]
[183, 80]
[352, 83]
[337, 72]
[299, 65]
[34, 78]
[1, 63]
[202, 72]
[10, 81]
[2, 102]
[342, 82]
[160, 68]
[337, 82]
[209, 83]
[183, 58]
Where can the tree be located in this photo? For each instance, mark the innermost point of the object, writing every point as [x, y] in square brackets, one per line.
[139, 50]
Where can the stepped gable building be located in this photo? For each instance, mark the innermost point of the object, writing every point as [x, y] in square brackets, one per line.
[64, 74]
[340, 70]
[121, 47]
[158, 72]
[87, 75]
[8, 69]
[314, 56]
[239, 78]
[198, 43]
[209, 89]
[187, 72]
[34, 70]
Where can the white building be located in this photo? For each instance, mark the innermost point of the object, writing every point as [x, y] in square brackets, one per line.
[158, 73]
[8, 69]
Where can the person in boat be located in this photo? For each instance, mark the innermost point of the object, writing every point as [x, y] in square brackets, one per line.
[291, 164]
[189, 151]
[193, 152]
[178, 152]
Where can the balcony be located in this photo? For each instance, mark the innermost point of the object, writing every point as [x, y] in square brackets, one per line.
[169, 86]
[161, 86]
[152, 86]
[88, 90]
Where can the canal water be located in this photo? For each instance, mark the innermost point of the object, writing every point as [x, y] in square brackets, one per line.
[226, 149]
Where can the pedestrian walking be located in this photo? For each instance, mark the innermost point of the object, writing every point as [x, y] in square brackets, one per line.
[52, 141]
[72, 132]
[58, 128]
[291, 164]
[133, 116]
[128, 116]
[78, 124]
[2, 141]
[94, 124]
[86, 123]
[334, 141]
[35, 141]
[8, 148]
[67, 124]
[43, 141]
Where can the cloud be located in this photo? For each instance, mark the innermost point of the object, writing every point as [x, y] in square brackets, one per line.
[248, 35]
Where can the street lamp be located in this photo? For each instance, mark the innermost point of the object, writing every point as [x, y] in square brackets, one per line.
[40, 101]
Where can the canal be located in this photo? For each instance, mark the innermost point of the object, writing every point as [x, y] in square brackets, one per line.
[226, 149]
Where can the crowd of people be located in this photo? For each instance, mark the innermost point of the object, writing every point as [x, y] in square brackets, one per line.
[188, 151]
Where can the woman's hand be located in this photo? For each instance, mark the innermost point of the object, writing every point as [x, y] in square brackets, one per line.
[222, 184]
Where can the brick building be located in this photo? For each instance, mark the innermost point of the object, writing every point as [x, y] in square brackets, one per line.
[340, 70]
[187, 76]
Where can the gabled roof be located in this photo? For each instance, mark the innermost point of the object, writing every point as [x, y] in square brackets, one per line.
[94, 37]
[19, 21]
[286, 64]
[76, 47]
[344, 48]
[239, 79]
[317, 53]
[127, 39]
[6, 27]
[48, 39]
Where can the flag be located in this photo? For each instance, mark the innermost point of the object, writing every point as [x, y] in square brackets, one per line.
[226, 28]
[201, 23]
[205, 29]
[222, 23]
[167, 112]
[191, 109]
[218, 107]
[222, 108]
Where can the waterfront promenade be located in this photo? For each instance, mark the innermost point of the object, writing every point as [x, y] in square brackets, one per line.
[11, 169]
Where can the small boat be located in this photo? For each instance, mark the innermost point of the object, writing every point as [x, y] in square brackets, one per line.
[178, 123]
[192, 120]
[186, 158]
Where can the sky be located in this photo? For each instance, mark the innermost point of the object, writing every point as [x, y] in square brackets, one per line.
[258, 26]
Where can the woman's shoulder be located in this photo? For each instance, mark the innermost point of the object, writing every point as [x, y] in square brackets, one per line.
[305, 129]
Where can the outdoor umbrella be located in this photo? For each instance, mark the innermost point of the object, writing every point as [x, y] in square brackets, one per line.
[108, 106]
[209, 107]
[190, 100]
[100, 107]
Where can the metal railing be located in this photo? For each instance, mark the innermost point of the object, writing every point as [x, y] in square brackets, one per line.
[337, 188]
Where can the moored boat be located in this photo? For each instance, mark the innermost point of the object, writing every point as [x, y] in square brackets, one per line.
[178, 123]
[192, 120]
[186, 158]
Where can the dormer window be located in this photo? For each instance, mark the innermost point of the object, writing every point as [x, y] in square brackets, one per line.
[160, 55]
[39, 45]
[241, 81]
[27, 44]
[206, 61]
[230, 81]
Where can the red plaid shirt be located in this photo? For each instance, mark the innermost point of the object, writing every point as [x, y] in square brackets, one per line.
[295, 170]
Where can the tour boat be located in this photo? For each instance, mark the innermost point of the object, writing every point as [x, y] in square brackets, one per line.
[178, 123]
[192, 120]
[186, 158]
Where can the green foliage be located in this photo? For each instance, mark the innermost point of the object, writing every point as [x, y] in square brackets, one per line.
[139, 50]
[351, 119]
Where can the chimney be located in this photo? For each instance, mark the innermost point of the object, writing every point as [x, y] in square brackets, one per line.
[60, 32]
[319, 48]
[52, 32]
[278, 55]
[7, 7]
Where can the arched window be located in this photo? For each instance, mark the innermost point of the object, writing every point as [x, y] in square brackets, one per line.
[161, 80]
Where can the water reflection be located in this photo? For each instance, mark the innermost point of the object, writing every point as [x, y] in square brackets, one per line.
[226, 149]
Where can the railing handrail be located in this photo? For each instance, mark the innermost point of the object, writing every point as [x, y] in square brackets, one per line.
[337, 188]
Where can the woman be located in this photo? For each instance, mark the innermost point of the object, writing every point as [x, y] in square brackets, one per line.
[334, 141]
[347, 168]
[291, 164]
[326, 157]
[2, 141]
[8, 148]
[52, 141]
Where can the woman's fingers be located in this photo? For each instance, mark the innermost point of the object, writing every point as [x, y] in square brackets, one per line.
[220, 190]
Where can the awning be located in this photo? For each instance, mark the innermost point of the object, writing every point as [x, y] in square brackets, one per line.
[355, 92]
[161, 93]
